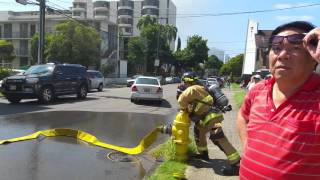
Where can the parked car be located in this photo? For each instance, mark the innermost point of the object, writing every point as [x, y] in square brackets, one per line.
[146, 88]
[176, 80]
[45, 82]
[211, 81]
[96, 80]
[12, 73]
[131, 81]
[169, 80]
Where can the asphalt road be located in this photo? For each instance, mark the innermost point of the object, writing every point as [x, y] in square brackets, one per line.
[109, 115]
[110, 100]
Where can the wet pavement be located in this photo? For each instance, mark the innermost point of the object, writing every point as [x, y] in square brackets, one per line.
[67, 158]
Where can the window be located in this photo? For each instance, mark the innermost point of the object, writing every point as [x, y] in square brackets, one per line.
[125, 12]
[7, 31]
[101, 13]
[32, 29]
[150, 12]
[147, 81]
[76, 13]
[24, 47]
[23, 30]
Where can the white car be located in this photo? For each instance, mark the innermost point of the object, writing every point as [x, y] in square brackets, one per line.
[131, 81]
[96, 80]
[146, 88]
[211, 81]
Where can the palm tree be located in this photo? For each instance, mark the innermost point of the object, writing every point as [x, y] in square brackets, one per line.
[146, 21]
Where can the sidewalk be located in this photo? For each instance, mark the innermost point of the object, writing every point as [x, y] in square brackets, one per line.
[202, 170]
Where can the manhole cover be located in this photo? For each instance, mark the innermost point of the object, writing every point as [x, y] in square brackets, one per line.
[119, 157]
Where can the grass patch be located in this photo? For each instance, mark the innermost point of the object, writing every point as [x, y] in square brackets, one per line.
[239, 94]
[239, 97]
[235, 86]
[1, 94]
[166, 151]
[166, 170]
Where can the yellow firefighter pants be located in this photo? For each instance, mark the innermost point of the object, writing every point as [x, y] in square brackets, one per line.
[217, 137]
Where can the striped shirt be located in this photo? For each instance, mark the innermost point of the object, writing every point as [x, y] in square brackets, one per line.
[283, 142]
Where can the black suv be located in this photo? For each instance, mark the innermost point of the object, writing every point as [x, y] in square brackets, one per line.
[47, 81]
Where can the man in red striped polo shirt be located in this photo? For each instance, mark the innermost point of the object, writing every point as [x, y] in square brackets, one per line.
[279, 121]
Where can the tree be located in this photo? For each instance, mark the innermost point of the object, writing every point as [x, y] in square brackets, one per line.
[34, 46]
[146, 21]
[75, 43]
[196, 52]
[154, 42]
[233, 66]
[213, 63]
[6, 51]
[136, 54]
[179, 44]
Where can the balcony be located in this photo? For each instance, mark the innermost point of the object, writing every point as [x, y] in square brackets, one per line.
[78, 9]
[128, 12]
[150, 11]
[150, 7]
[16, 35]
[125, 3]
[150, 3]
[125, 21]
[104, 4]
[125, 25]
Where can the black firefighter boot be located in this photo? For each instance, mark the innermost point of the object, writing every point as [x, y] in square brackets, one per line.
[204, 155]
[232, 170]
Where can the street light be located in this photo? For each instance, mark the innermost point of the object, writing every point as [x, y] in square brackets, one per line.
[42, 7]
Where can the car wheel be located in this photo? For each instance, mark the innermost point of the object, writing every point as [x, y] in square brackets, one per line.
[82, 92]
[100, 88]
[13, 100]
[46, 95]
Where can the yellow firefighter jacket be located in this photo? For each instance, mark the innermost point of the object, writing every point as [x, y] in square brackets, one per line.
[196, 99]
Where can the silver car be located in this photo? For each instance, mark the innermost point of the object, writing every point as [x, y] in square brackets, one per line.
[96, 80]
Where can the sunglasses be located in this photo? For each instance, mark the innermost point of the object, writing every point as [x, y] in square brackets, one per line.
[293, 39]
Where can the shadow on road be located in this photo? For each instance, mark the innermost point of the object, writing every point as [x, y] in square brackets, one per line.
[215, 164]
[116, 97]
[164, 103]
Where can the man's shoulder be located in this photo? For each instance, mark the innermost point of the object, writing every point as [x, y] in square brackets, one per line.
[262, 85]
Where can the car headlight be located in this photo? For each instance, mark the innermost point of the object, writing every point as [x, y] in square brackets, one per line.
[32, 80]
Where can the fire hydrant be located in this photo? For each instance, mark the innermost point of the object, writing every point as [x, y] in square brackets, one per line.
[179, 135]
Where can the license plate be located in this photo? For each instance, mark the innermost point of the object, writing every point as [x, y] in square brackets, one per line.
[12, 87]
[146, 90]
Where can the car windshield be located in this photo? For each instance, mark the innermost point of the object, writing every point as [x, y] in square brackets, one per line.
[39, 69]
[147, 81]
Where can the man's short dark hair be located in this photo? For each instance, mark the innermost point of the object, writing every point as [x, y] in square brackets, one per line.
[301, 25]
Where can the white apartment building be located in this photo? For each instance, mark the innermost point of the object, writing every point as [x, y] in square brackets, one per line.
[19, 27]
[105, 15]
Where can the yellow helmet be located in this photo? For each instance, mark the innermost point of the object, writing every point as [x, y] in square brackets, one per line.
[189, 77]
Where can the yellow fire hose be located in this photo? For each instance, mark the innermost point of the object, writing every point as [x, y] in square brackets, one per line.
[89, 138]
[179, 136]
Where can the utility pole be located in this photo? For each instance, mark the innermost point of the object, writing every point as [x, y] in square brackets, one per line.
[42, 13]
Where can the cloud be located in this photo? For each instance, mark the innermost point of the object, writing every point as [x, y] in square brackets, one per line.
[287, 5]
[295, 18]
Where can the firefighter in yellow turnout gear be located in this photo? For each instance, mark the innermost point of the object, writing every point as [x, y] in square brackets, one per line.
[201, 104]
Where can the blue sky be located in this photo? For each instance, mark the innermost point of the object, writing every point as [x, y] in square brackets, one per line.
[223, 32]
